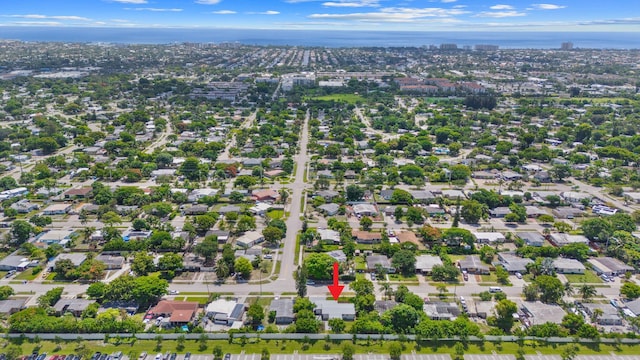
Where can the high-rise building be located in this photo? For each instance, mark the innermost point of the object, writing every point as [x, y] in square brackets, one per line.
[566, 46]
[448, 47]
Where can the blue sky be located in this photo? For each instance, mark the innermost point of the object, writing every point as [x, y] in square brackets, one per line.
[415, 15]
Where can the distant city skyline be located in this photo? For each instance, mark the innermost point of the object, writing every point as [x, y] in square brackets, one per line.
[391, 15]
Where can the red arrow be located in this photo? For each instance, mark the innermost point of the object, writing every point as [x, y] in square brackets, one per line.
[335, 289]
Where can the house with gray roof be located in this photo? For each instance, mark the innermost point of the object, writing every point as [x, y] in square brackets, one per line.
[76, 258]
[473, 265]
[568, 266]
[74, 306]
[513, 263]
[531, 238]
[331, 309]
[329, 209]
[284, 311]
[10, 306]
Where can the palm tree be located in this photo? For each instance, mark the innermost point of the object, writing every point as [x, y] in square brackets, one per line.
[568, 288]
[386, 288]
[442, 289]
[546, 266]
[87, 232]
[587, 291]
[597, 313]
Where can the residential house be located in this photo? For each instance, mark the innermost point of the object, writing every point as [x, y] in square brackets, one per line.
[434, 210]
[330, 236]
[422, 196]
[14, 262]
[407, 236]
[76, 258]
[567, 212]
[178, 312]
[51, 237]
[225, 312]
[221, 235]
[78, 193]
[228, 209]
[609, 315]
[375, 261]
[73, 306]
[513, 263]
[531, 238]
[609, 266]
[57, 209]
[499, 212]
[329, 309]
[249, 239]
[425, 263]
[328, 195]
[112, 262]
[473, 265]
[568, 266]
[562, 239]
[366, 237]
[488, 237]
[196, 210]
[268, 195]
[574, 197]
[329, 209]
[284, 311]
[8, 307]
[338, 255]
[365, 209]
[24, 206]
[386, 194]
[439, 310]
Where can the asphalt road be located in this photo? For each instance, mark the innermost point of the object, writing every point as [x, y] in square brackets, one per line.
[285, 280]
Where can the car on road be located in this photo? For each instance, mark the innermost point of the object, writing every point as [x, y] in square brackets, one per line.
[311, 282]
[174, 292]
[227, 356]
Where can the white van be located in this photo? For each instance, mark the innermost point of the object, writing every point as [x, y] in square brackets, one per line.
[495, 289]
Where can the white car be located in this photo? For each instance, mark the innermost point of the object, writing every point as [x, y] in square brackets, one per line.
[174, 292]
[518, 275]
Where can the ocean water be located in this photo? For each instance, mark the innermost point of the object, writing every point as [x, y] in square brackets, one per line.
[326, 38]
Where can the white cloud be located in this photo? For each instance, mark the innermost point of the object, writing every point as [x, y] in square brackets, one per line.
[224, 12]
[36, 23]
[547, 6]
[398, 15]
[207, 2]
[501, 7]
[357, 3]
[53, 17]
[499, 14]
[130, 1]
[268, 12]
[155, 9]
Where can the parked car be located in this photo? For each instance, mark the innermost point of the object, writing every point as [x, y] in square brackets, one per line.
[518, 275]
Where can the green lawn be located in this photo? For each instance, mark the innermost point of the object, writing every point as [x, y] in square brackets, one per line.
[26, 275]
[589, 276]
[202, 300]
[373, 345]
[400, 277]
[360, 263]
[491, 278]
[348, 98]
[275, 214]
